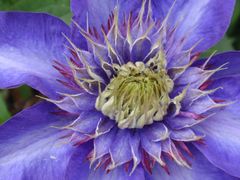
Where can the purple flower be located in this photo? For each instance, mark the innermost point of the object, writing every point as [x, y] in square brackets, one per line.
[126, 95]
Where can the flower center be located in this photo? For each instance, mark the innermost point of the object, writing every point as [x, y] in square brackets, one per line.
[137, 95]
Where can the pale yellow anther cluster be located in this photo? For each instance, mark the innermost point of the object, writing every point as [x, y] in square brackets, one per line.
[138, 95]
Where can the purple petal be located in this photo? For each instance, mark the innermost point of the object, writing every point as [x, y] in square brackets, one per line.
[104, 126]
[201, 169]
[195, 77]
[87, 122]
[185, 135]
[232, 67]
[179, 59]
[156, 132]
[222, 141]
[179, 122]
[120, 149]
[31, 148]
[76, 103]
[29, 44]
[154, 149]
[201, 105]
[117, 174]
[78, 167]
[230, 88]
[210, 22]
[97, 14]
[103, 143]
[134, 144]
[228, 79]
[140, 49]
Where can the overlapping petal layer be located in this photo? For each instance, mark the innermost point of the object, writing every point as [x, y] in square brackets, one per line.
[103, 39]
[201, 169]
[222, 134]
[207, 30]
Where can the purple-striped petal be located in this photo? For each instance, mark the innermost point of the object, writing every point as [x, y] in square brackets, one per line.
[222, 139]
[76, 103]
[117, 174]
[140, 49]
[95, 14]
[78, 168]
[136, 156]
[185, 135]
[228, 79]
[29, 44]
[31, 148]
[210, 22]
[87, 122]
[202, 105]
[154, 149]
[102, 144]
[195, 77]
[230, 88]
[231, 59]
[201, 169]
[98, 12]
[180, 122]
[120, 149]
[156, 132]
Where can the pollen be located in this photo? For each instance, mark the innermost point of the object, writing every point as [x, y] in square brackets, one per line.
[138, 94]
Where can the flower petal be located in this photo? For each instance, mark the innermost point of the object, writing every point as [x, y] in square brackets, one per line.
[228, 79]
[196, 77]
[154, 149]
[31, 148]
[29, 43]
[232, 67]
[180, 122]
[156, 132]
[98, 12]
[230, 88]
[93, 13]
[201, 169]
[221, 130]
[231, 59]
[120, 149]
[140, 49]
[210, 22]
[76, 103]
[118, 174]
[102, 144]
[77, 167]
[86, 123]
[222, 141]
[185, 135]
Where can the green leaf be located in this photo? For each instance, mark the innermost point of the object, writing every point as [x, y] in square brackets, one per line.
[60, 8]
[4, 113]
[235, 20]
[25, 92]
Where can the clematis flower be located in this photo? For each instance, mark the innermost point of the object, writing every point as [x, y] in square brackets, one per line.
[125, 94]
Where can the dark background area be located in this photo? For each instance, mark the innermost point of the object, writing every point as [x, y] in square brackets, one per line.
[14, 100]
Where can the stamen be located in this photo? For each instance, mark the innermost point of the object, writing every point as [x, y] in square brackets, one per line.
[138, 94]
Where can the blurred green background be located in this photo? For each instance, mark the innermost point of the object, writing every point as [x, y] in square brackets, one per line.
[14, 100]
